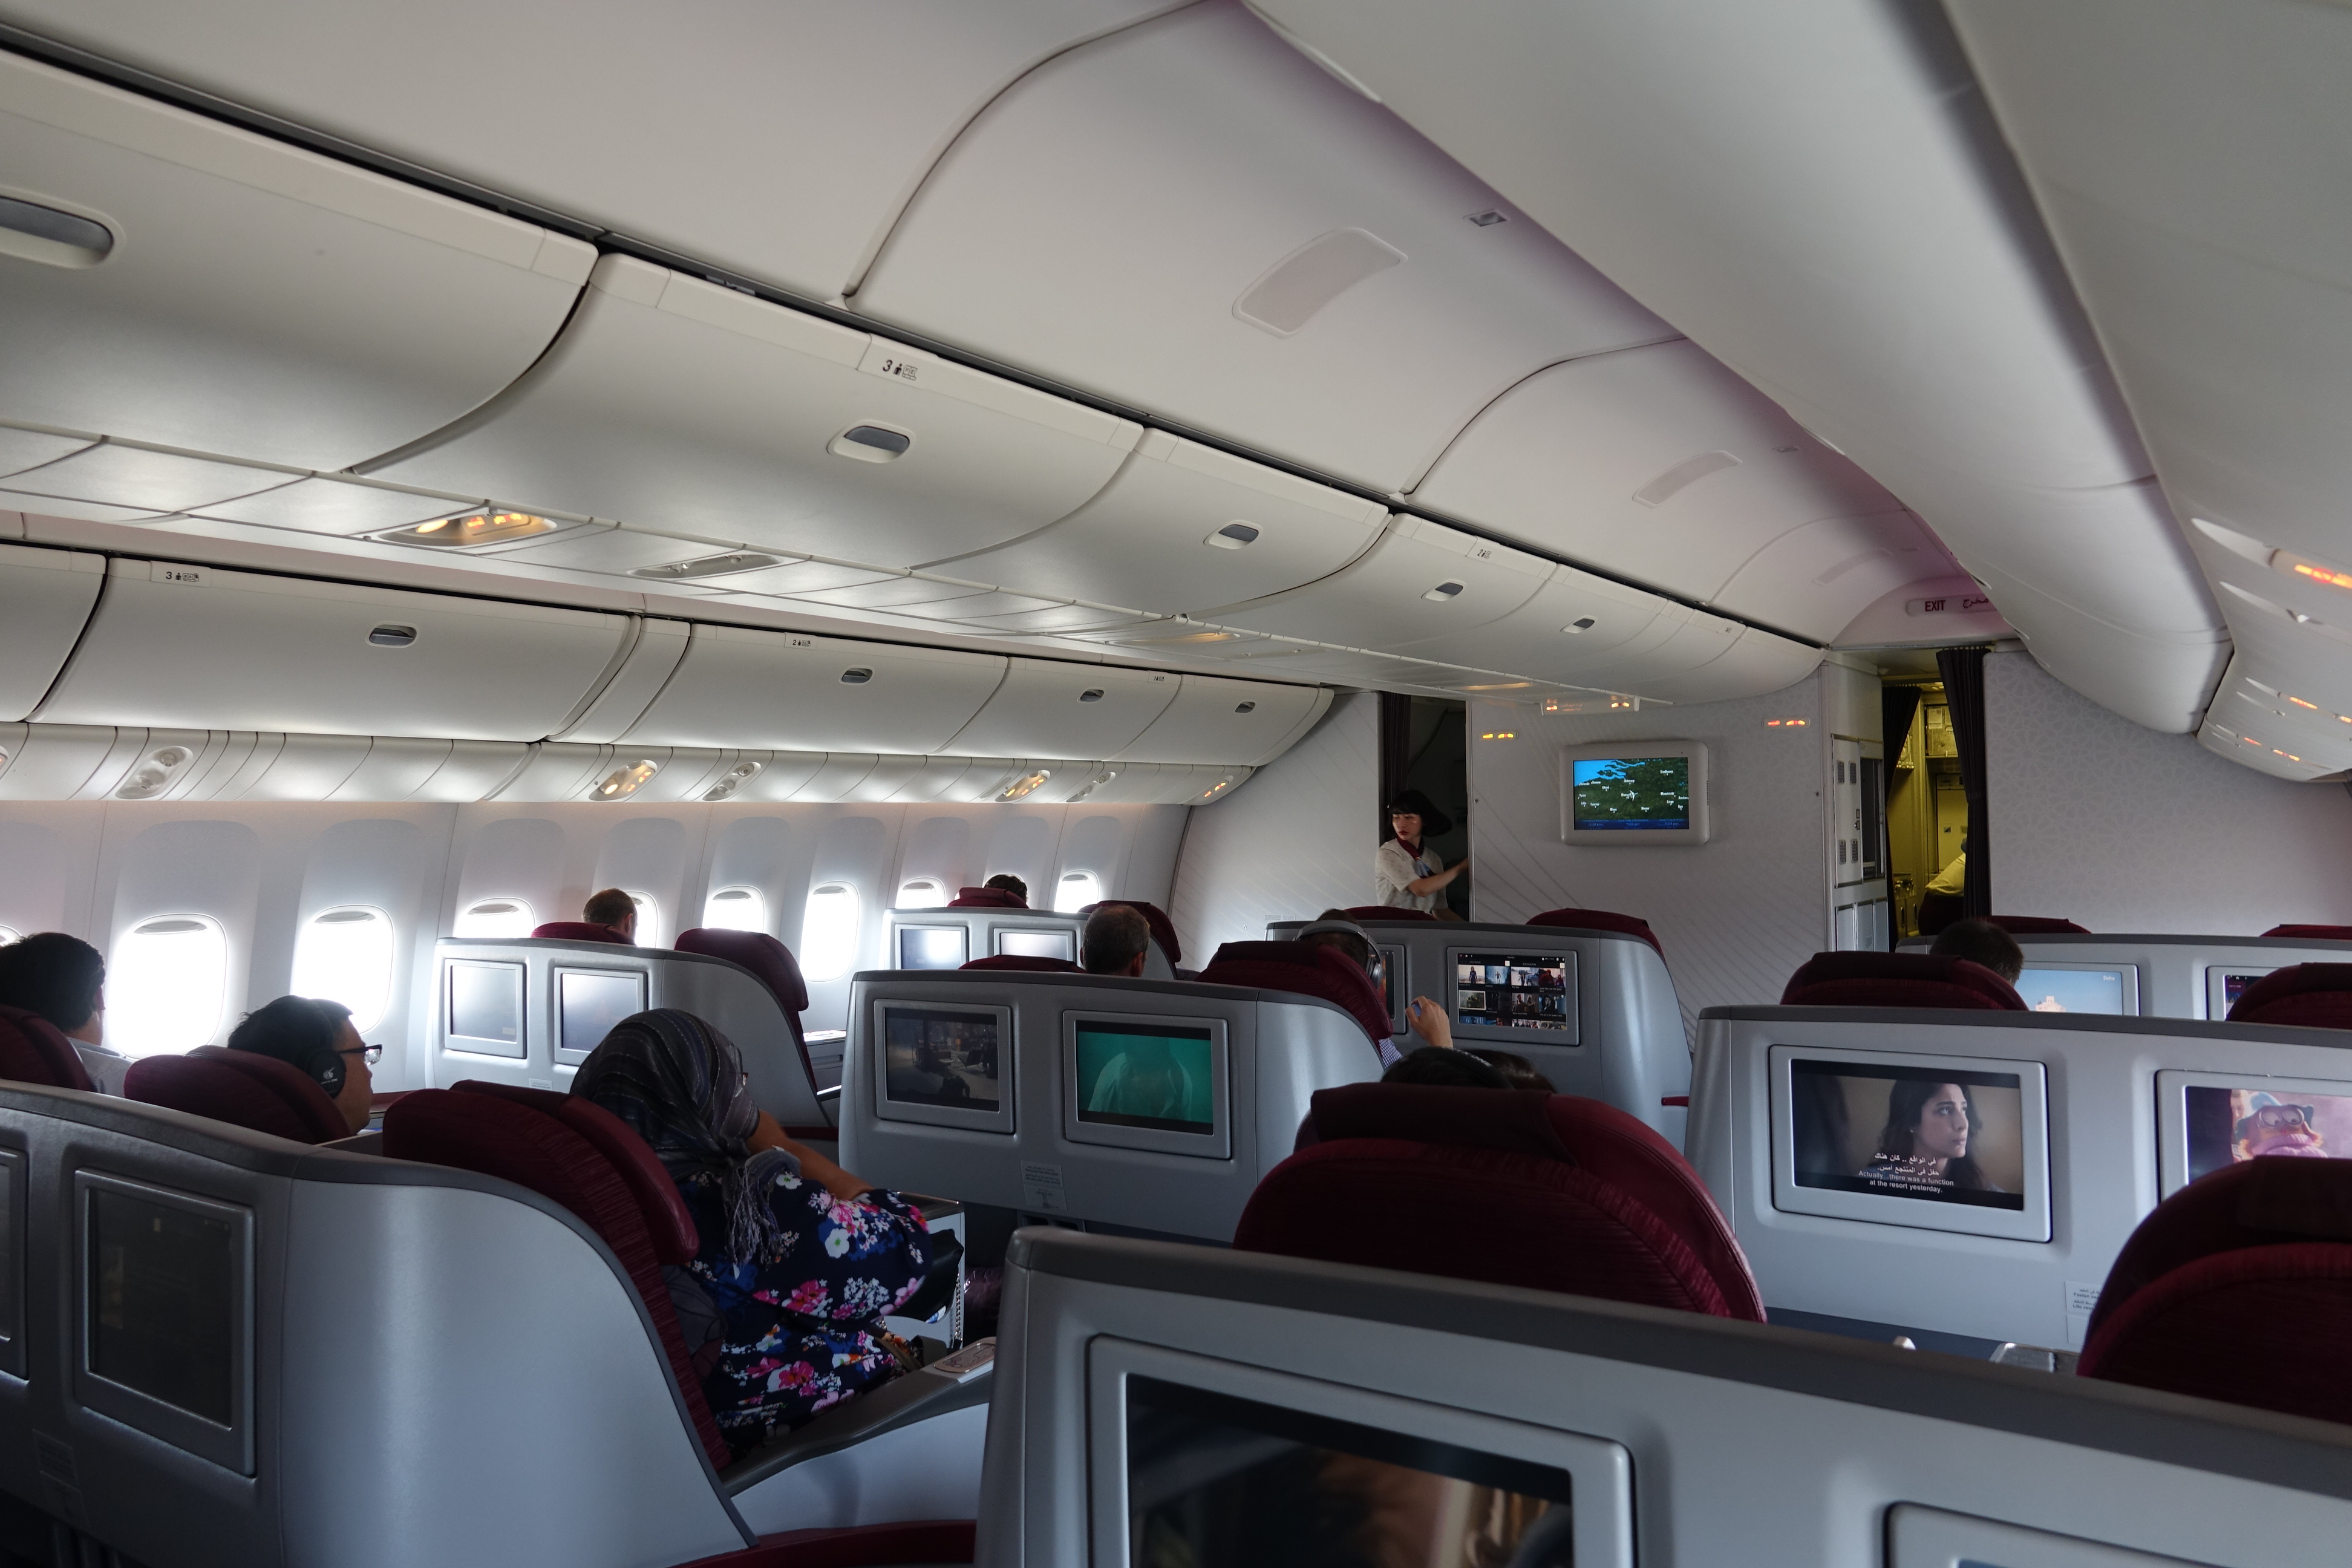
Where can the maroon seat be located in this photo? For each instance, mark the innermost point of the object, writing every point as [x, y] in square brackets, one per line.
[1359, 913]
[515, 1140]
[1306, 969]
[1599, 919]
[1023, 960]
[2238, 1288]
[1511, 1186]
[857, 1546]
[2307, 996]
[1164, 930]
[34, 1050]
[986, 899]
[670, 1223]
[771, 963]
[2310, 934]
[578, 930]
[1898, 980]
[243, 1088]
[2038, 925]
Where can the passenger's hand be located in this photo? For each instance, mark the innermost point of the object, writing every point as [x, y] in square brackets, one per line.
[1430, 1022]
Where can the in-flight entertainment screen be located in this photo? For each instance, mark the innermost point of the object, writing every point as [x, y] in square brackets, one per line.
[1511, 990]
[1933, 1133]
[941, 1056]
[1158, 1076]
[163, 1302]
[1631, 793]
[1040, 944]
[933, 947]
[2073, 990]
[2230, 1123]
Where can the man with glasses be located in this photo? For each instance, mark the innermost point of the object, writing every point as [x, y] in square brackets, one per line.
[316, 1036]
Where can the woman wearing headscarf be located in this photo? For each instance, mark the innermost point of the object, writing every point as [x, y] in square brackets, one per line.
[800, 1260]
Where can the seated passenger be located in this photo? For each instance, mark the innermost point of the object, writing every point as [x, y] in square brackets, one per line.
[315, 1036]
[1517, 1070]
[615, 911]
[1981, 942]
[800, 1260]
[62, 978]
[1334, 929]
[1114, 942]
[1006, 882]
[1446, 1069]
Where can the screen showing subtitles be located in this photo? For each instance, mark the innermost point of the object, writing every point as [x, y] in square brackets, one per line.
[1930, 1134]
[1501, 991]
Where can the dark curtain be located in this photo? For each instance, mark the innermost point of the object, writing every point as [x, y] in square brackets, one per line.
[1897, 706]
[1396, 751]
[1963, 671]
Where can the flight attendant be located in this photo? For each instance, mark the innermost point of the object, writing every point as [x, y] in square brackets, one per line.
[1406, 873]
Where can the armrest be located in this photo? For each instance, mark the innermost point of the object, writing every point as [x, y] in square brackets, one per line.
[943, 1386]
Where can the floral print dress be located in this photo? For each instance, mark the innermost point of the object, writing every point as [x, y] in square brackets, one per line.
[797, 1324]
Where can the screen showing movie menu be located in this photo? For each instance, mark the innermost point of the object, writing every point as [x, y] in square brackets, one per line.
[2072, 990]
[1632, 794]
[933, 947]
[1212, 1478]
[163, 1302]
[1146, 1075]
[1935, 1134]
[1511, 990]
[2231, 985]
[2230, 1124]
[941, 1056]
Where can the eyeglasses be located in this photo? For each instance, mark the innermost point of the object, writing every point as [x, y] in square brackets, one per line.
[368, 1053]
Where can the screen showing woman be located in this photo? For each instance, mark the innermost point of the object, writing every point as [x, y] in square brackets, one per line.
[1931, 1133]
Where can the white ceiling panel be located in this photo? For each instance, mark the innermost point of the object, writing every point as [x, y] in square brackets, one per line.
[326, 503]
[21, 449]
[1214, 719]
[682, 406]
[1814, 580]
[149, 479]
[1575, 622]
[1051, 709]
[798, 692]
[1110, 219]
[1423, 580]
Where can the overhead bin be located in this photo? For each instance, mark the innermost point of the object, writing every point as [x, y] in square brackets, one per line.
[1421, 580]
[232, 294]
[1214, 719]
[1183, 527]
[195, 645]
[1068, 709]
[1574, 621]
[45, 601]
[147, 478]
[793, 691]
[1192, 217]
[684, 406]
[21, 449]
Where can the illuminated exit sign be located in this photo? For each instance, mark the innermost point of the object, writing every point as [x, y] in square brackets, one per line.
[1949, 605]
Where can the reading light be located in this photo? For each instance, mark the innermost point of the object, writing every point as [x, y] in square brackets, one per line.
[471, 528]
[1218, 789]
[1443, 591]
[1025, 785]
[709, 565]
[2300, 702]
[154, 775]
[1097, 781]
[1232, 536]
[623, 783]
[737, 778]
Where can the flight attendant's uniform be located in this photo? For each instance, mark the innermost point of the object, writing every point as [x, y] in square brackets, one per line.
[1395, 868]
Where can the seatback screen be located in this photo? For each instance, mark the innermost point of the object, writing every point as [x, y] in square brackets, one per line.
[933, 947]
[2224, 986]
[1146, 1075]
[1212, 1478]
[486, 1006]
[2072, 990]
[940, 1056]
[1062, 944]
[1632, 794]
[1933, 1134]
[588, 1005]
[1507, 991]
[163, 1302]
[2227, 1125]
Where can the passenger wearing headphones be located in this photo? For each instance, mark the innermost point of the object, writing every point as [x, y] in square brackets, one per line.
[1334, 929]
[316, 1036]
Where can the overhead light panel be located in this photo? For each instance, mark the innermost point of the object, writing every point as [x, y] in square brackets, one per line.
[623, 783]
[709, 566]
[469, 530]
[1027, 784]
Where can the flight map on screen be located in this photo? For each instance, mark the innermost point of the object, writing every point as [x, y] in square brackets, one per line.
[1503, 991]
[936, 1055]
[1936, 1135]
[1146, 1075]
[1631, 793]
[2227, 1125]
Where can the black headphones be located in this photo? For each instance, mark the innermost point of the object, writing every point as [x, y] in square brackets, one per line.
[1376, 966]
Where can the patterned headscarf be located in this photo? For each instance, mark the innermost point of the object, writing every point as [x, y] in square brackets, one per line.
[679, 1084]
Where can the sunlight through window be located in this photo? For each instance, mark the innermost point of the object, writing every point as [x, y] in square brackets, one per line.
[166, 985]
[829, 931]
[345, 955]
[507, 920]
[1075, 890]
[736, 909]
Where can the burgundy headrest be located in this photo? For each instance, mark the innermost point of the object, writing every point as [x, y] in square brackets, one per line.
[2038, 925]
[1306, 968]
[2238, 1288]
[1164, 930]
[243, 1088]
[34, 1050]
[577, 930]
[2313, 996]
[1024, 960]
[1898, 980]
[1362, 912]
[1512, 1186]
[986, 899]
[2310, 933]
[1599, 919]
[760, 953]
[669, 1224]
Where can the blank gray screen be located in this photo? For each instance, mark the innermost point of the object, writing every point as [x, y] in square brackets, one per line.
[486, 1003]
[588, 1005]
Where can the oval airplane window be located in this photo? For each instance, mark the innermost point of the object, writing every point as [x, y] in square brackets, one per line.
[507, 920]
[1075, 890]
[345, 955]
[736, 909]
[166, 985]
[829, 931]
[922, 893]
[9, 934]
[649, 926]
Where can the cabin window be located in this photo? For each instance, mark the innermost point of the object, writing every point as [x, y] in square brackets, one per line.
[922, 893]
[649, 926]
[345, 955]
[1075, 890]
[829, 931]
[736, 909]
[166, 985]
[9, 934]
[506, 920]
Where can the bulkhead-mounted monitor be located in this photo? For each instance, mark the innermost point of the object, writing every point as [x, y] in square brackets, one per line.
[1633, 792]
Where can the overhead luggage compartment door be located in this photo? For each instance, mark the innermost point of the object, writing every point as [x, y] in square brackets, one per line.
[198, 647]
[679, 405]
[45, 600]
[172, 278]
[793, 692]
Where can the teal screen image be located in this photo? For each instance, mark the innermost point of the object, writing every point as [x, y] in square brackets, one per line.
[1146, 1075]
[1631, 793]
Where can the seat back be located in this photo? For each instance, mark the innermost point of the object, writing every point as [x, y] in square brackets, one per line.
[669, 1224]
[2238, 1288]
[518, 1141]
[1021, 963]
[1360, 913]
[2306, 995]
[2310, 934]
[578, 930]
[1514, 1187]
[1598, 920]
[1305, 968]
[771, 963]
[1898, 980]
[243, 1088]
[2039, 925]
[34, 1050]
[986, 899]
